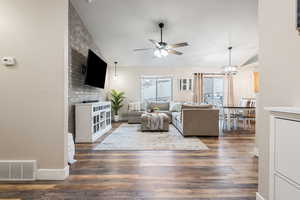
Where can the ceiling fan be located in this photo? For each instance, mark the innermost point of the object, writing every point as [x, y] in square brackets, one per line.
[162, 49]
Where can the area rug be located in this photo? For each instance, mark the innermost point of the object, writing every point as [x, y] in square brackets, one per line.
[130, 137]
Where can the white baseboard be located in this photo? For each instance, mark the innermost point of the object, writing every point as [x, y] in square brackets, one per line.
[52, 174]
[255, 152]
[259, 197]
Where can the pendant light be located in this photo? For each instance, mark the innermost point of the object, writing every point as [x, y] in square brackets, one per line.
[230, 69]
[115, 70]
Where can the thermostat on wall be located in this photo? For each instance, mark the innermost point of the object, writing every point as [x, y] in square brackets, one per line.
[8, 61]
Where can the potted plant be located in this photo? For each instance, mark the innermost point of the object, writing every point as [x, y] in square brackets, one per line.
[117, 99]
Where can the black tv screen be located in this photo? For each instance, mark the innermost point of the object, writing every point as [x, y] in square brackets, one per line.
[96, 71]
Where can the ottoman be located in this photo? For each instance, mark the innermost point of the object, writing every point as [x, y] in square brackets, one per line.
[155, 122]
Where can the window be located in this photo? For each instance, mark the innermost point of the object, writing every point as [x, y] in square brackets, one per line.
[156, 89]
[213, 90]
[185, 84]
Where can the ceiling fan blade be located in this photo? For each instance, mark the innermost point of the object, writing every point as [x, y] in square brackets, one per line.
[143, 49]
[183, 44]
[172, 51]
[155, 43]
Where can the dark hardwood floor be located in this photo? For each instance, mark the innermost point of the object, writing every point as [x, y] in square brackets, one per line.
[227, 171]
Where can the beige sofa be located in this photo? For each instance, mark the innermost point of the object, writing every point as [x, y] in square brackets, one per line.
[201, 120]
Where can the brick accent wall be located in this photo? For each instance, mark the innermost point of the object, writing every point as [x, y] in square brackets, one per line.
[80, 42]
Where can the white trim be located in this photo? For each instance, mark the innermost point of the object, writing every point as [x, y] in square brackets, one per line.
[256, 152]
[289, 110]
[259, 197]
[52, 174]
[272, 157]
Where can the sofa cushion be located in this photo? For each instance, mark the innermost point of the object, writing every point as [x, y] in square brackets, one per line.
[160, 105]
[176, 116]
[134, 113]
[175, 107]
[134, 106]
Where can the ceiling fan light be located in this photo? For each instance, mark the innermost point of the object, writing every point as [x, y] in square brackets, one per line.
[157, 53]
[164, 52]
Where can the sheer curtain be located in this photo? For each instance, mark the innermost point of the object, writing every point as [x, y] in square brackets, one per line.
[198, 88]
[228, 90]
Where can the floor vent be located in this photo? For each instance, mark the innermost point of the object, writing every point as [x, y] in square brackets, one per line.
[17, 170]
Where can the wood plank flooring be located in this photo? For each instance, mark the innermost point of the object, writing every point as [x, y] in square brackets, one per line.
[227, 171]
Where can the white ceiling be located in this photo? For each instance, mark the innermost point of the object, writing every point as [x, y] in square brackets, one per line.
[119, 26]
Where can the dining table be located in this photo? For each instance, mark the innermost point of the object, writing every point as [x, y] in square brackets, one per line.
[232, 112]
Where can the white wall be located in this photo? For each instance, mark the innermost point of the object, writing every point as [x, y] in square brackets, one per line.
[33, 102]
[244, 83]
[279, 71]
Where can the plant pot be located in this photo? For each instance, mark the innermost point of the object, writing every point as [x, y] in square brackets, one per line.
[116, 118]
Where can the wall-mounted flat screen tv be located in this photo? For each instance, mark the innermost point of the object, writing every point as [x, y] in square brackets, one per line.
[96, 71]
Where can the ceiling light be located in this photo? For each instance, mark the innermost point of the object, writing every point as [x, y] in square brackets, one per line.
[230, 69]
[164, 52]
[161, 53]
[157, 53]
[115, 77]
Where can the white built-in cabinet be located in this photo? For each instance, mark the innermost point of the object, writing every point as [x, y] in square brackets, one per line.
[92, 120]
[284, 180]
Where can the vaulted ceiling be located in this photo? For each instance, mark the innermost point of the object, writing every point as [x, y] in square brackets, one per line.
[209, 26]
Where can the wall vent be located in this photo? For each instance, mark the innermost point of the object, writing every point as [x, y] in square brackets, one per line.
[17, 170]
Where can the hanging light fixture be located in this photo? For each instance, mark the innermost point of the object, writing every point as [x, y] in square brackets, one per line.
[230, 69]
[115, 70]
[161, 53]
[157, 53]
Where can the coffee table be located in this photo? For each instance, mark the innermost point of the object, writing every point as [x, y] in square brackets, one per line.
[152, 122]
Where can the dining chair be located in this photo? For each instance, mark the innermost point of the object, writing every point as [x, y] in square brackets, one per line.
[247, 116]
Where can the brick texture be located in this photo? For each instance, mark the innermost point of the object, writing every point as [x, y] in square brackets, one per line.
[80, 42]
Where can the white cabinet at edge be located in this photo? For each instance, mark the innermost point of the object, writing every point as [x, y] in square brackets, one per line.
[284, 180]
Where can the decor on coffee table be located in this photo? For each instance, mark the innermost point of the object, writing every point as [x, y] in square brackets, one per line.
[155, 109]
[117, 99]
[155, 122]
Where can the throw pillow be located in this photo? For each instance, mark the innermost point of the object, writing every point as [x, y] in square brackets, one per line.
[135, 106]
[160, 105]
[175, 107]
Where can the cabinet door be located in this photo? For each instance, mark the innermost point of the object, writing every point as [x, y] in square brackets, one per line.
[285, 190]
[287, 148]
